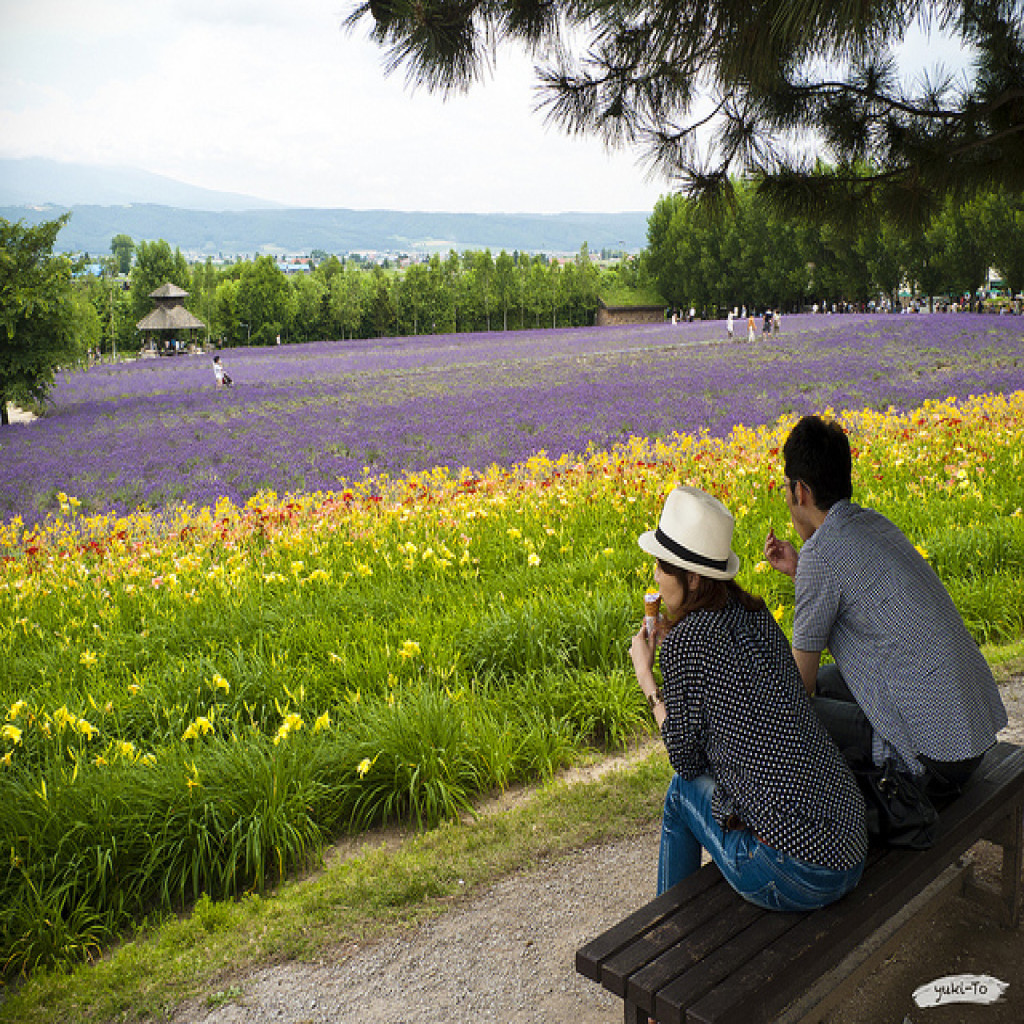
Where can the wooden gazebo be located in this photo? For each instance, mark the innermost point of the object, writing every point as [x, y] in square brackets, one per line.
[170, 327]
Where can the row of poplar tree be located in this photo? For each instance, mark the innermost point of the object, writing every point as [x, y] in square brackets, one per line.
[755, 255]
[255, 301]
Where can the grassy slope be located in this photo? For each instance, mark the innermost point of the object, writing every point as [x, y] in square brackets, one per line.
[382, 886]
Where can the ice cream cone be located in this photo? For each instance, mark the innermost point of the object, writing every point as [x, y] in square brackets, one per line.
[652, 604]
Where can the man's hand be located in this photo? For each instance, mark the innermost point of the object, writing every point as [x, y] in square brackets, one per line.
[780, 554]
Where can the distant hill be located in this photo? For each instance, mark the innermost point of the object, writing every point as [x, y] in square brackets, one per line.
[229, 233]
[37, 182]
[105, 203]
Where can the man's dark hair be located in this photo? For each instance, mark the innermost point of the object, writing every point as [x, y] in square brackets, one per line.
[818, 453]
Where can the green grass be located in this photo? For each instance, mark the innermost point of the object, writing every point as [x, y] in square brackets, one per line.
[623, 295]
[382, 887]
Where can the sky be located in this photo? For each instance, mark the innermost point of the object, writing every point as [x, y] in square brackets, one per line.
[275, 99]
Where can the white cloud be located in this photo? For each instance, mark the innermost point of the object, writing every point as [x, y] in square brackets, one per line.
[276, 100]
[272, 98]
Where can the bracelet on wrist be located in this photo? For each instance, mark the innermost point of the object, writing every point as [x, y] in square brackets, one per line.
[654, 699]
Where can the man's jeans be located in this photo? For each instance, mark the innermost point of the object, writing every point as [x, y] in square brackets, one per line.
[763, 876]
[841, 715]
[848, 726]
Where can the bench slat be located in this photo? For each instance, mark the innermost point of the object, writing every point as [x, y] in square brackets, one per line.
[591, 957]
[720, 965]
[762, 982]
[744, 927]
[681, 931]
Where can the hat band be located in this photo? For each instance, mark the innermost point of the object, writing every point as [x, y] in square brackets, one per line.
[721, 564]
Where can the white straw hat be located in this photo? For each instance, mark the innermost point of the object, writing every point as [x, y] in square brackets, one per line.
[695, 533]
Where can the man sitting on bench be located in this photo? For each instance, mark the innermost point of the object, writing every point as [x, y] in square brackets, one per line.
[909, 682]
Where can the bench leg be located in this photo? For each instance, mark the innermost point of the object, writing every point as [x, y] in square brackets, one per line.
[1013, 867]
[633, 1013]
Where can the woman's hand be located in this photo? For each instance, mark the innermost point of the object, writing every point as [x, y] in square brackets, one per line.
[641, 650]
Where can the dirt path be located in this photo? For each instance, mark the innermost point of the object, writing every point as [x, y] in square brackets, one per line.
[507, 956]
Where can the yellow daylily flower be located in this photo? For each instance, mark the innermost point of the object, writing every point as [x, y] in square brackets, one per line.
[409, 649]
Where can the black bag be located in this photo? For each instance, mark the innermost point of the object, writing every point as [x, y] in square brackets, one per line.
[899, 810]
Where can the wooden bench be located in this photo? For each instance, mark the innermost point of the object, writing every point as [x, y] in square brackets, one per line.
[700, 953]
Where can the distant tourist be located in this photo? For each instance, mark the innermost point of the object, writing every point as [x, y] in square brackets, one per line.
[729, 324]
[751, 327]
[223, 377]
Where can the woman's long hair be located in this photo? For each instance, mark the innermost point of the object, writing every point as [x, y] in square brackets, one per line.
[708, 593]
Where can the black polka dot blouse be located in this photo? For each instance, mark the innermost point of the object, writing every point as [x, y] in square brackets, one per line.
[737, 711]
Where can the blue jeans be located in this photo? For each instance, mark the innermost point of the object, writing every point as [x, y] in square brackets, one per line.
[760, 874]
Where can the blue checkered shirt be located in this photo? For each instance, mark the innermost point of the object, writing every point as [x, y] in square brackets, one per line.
[865, 593]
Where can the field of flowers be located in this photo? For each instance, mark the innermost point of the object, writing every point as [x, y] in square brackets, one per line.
[317, 417]
[196, 700]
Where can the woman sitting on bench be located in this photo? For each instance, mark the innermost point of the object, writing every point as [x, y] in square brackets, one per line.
[759, 783]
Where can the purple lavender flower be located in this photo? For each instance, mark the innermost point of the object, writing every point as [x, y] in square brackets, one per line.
[307, 417]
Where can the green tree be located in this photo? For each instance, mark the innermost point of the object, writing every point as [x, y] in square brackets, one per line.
[961, 254]
[455, 292]
[584, 291]
[764, 76]
[379, 314]
[555, 290]
[481, 288]
[37, 321]
[887, 256]
[412, 299]
[264, 300]
[123, 249]
[673, 249]
[536, 287]
[347, 300]
[443, 296]
[155, 265]
[225, 323]
[309, 294]
[504, 284]
[88, 327]
[202, 300]
[1001, 214]
[925, 270]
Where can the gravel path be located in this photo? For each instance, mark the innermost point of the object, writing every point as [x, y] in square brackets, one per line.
[530, 924]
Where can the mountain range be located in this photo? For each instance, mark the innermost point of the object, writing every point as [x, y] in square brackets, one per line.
[105, 202]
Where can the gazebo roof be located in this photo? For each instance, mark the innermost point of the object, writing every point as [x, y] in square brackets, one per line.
[169, 318]
[170, 313]
[168, 291]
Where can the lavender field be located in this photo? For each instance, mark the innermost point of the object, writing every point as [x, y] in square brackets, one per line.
[313, 417]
